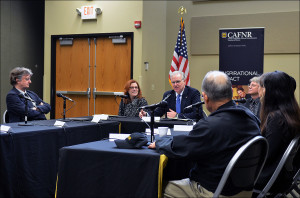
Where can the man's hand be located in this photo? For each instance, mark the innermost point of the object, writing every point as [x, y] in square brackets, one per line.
[142, 113]
[171, 113]
[152, 145]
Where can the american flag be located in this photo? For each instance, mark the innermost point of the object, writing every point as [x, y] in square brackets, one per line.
[180, 57]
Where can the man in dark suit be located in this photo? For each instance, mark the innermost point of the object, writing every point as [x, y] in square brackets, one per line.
[180, 97]
[18, 96]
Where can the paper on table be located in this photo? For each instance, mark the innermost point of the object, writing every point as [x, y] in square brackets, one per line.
[114, 136]
[183, 127]
[98, 117]
[148, 119]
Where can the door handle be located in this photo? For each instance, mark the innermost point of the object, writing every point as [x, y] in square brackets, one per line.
[74, 92]
[108, 93]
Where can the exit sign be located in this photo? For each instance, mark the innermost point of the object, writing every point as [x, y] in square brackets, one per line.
[88, 12]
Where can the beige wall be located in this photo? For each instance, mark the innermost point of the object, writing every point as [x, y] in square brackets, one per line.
[200, 65]
[117, 16]
[155, 41]
[154, 50]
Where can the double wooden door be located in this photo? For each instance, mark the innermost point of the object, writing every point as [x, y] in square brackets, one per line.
[91, 71]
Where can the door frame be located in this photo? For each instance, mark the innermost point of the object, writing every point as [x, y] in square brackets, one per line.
[53, 59]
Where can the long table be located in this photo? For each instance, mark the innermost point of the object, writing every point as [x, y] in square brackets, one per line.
[29, 154]
[103, 170]
[135, 124]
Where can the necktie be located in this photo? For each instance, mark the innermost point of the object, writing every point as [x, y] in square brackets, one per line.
[252, 106]
[32, 101]
[178, 104]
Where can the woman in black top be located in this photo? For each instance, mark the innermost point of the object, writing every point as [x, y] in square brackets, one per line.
[280, 123]
[130, 106]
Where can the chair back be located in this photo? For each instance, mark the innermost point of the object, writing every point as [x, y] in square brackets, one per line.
[294, 189]
[245, 166]
[5, 117]
[286, 161]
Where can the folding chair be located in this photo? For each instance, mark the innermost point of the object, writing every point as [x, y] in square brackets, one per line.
[5, 117]
[246, 165]
[294, 190]
[286, 162]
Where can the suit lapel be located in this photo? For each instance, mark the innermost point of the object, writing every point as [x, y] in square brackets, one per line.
[172, 103]
[184, 98]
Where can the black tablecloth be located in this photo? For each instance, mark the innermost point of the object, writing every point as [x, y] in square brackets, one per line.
[135, 124]
[100, 169]
[29, 155]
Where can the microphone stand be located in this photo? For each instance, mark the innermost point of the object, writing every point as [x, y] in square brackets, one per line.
[26, 115]
[123, 107]
[166, 113]
[64, 111]
[152, 125]
[198, 113]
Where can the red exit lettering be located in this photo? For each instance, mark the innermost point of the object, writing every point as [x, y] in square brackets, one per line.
[88, 10]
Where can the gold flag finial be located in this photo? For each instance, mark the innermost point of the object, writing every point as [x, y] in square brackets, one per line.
[182, 10]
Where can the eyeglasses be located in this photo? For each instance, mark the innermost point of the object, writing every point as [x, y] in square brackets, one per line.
[176, 82]
[133, 87]
[253, 85]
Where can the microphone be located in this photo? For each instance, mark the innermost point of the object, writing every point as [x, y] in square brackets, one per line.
[153, 106]
[242, 100]
[197, 104]
[64, 97]
[123, 96]
[166, 97]
[25, 97]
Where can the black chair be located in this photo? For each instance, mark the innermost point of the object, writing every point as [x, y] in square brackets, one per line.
[246, 165]
[287, 162]
[294, 190]
[5, 117]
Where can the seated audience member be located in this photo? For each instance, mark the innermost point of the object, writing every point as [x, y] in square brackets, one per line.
[20, 79]
[241, 92]
[180, 97]
[280, 123]
[212, 142]
[130, 106]
[253, 103]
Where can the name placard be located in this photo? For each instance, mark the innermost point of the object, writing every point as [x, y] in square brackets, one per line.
[183, 127]
[148, 119]
[59, 123]
[4, 128]
[98, 117]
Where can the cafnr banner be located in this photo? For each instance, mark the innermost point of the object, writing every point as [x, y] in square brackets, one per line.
[241, 54]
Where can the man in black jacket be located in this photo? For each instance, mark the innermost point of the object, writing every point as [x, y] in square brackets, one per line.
[212, 142]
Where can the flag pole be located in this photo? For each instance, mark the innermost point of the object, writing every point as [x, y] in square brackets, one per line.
[180, 56]
[181, 11]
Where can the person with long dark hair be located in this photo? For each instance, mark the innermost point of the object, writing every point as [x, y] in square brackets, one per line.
[130, 106]
[280, 123]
